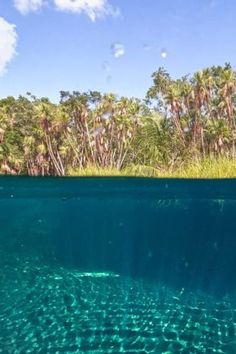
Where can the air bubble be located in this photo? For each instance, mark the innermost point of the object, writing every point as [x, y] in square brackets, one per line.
[118, 50]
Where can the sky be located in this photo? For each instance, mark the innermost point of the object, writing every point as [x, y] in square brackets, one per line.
[109, 45]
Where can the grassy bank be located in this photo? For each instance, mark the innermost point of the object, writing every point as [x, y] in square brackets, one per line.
[208, 168]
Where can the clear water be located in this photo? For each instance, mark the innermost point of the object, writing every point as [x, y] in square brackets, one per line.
[117, 266]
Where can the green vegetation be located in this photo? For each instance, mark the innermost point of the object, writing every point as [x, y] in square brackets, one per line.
[184, 128]
[207, 168]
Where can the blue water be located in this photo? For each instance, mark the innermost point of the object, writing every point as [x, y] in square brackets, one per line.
[115, 265]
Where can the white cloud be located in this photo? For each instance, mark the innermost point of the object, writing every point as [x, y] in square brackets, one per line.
[8, 40]
[25, 6]
[92, 8]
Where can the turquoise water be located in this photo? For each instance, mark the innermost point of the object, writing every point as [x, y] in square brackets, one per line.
[117, 266]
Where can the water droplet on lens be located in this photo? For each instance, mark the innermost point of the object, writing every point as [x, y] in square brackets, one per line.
[164, 53]
[147, 47]
[106, 116]
[106, 66]
[97, 131]
[108, 78]
[118, 50]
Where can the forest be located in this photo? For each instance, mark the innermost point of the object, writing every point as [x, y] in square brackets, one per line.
[183, 127]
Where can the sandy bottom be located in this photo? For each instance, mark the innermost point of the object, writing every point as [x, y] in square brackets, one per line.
[49, 309]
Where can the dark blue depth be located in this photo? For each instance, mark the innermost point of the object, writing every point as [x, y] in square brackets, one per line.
[178, 232]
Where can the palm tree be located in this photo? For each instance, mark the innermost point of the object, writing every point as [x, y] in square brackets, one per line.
[219, 136]
[173, 99]
[227, 90]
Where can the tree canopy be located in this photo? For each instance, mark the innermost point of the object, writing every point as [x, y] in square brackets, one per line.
[179, 120]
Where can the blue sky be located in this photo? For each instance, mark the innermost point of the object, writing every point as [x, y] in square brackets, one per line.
[52, 45]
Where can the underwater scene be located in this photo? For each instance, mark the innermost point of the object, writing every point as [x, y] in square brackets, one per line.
[117, 265]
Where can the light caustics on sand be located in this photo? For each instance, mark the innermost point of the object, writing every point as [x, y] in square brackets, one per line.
[93, 274]
[51, 308]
